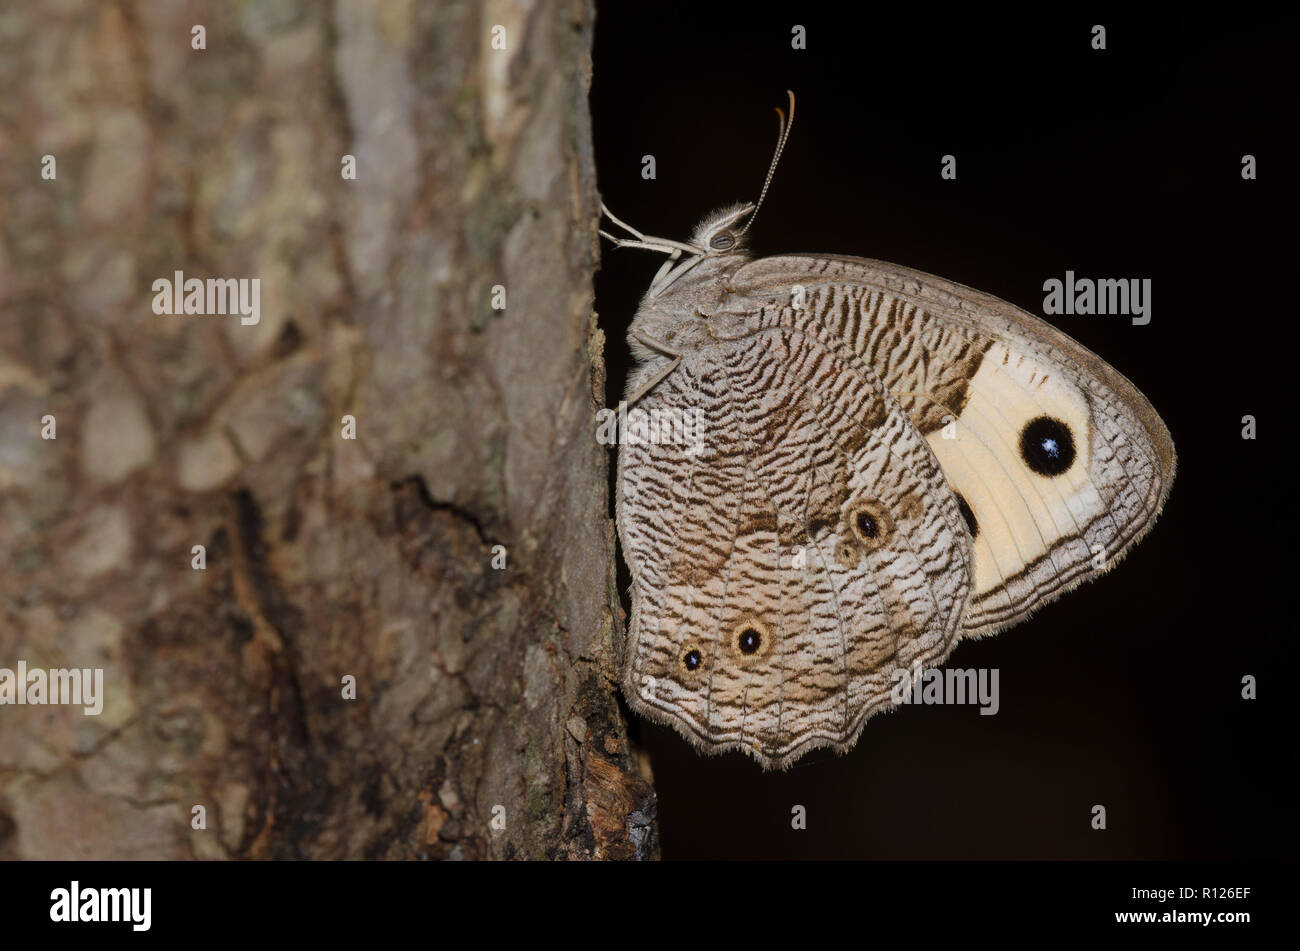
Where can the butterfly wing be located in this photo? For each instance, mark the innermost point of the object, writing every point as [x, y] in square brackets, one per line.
[795, 561]
[1059, 462]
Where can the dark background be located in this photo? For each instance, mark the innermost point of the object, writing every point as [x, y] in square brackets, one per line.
[1124, 163]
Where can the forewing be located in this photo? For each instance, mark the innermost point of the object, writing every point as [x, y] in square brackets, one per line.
[973, 373]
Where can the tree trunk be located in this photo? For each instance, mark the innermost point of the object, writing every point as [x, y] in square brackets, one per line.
[485, 721]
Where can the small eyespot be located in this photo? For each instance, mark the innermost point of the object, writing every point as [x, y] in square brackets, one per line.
[722, 241]
[750, 639]
[871, 524]
[670, 336]
[846, 553]
[692, 659]
[1047, 446]
[967, 515]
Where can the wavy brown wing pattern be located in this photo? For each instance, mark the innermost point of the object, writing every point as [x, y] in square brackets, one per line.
[791, 563]
[1060, 465]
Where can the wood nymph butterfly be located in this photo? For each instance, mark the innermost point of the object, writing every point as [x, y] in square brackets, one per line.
[838, 468]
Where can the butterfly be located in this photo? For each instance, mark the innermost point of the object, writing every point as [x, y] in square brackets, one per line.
[881, 463]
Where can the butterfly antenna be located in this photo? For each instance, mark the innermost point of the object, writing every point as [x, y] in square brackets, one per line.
[782, 134]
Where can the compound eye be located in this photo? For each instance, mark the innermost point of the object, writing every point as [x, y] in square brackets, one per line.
[722, 241]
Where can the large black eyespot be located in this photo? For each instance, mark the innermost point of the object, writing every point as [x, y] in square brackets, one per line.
[967, 515]
[692, 659]
[1047, 446]
[722, 241]
[750, 641]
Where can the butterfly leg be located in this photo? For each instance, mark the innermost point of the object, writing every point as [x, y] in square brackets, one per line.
[650, 243]
[660, 274]
[624, 243]
[665, 277]
[621, 223]
[658, 377]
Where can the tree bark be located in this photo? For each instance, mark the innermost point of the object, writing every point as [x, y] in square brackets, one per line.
[485, 721]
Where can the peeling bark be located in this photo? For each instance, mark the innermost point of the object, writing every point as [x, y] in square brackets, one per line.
[480, 692]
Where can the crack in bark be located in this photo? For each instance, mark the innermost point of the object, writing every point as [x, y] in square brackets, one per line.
[433, 505]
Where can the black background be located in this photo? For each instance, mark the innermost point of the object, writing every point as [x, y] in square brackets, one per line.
[1123, 163]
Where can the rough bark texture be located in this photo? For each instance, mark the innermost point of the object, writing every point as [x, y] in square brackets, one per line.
[477, 688]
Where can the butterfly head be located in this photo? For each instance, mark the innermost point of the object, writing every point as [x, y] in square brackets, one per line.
[722, 232]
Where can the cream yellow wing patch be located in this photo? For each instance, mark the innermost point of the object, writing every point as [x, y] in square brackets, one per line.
[1020, 512]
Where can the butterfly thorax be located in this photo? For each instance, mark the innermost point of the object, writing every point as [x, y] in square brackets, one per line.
[681, 317]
